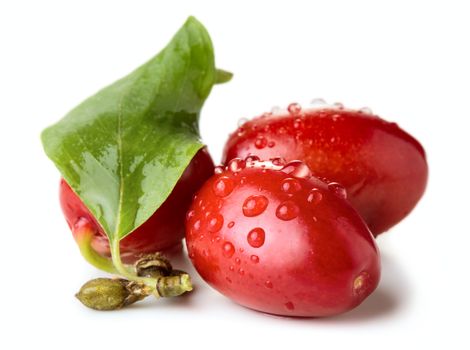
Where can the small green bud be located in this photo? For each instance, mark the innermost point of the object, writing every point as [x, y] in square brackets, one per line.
[111, 294]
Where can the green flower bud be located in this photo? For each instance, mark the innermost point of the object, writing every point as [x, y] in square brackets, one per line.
[111, 294]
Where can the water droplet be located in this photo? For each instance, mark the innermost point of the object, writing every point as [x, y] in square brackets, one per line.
[190, 214]
[228, 249]
[338, 105]
[332, 140]
[271, 144]
[215, 221]
[231, 268]
[268, 284]
[297, 169]
[266, 115]
[287, 211]
[294, 108]
[236, 165]
[240, 131]
[241, 250]
[231, 224]
[338, 189]
[256, 237]
[201, 237]
[289, 305]
[196, 226]
[278, 161]
[365, 110]
[318, 102]
[254, 259]
[254, 205]
[314, 219]
[251, 158]
[238, 261]
[241, 121]
[314, 196]
[291, 185]
[217, 239]
[276, 110]
[297, 123]
[362, 284]
[228, 279]
[261, 142]
[241, 271]
[223, 186]
[218, 170]
[282, 130]
[204, 252]
[191, 255]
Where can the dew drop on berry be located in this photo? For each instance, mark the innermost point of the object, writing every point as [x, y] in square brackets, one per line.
[223, 186]
[215, 221]
[254, 259]
[238, 261]
[218, 170]
[241, 271]
[314, 196]
[236, 165]
[297, 169]
[287, 211]
[240, 131]
[256, 237]
[338, 189]
[291, 185]
[196, 226]
[278, 161]
[254, 205]
[365, 110]
[268, 284]
[338, 105]
[297, 123]
[241, 122]
[318, 102]
[271, 144]
[190, 214]
[276, 110]
[294, 108]
[251, 158]
[231, 268]
[228, 249]
[228, 279]
[231, 224]
[260, 142]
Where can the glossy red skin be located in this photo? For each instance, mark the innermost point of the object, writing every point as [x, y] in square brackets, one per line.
[383, 168]
[307, 265]
[163, 230]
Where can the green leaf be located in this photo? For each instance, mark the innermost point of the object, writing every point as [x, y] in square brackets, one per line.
[123, 150]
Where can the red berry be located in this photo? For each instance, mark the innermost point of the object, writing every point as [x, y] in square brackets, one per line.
[164, 229]
[289, 245]
[382, 168]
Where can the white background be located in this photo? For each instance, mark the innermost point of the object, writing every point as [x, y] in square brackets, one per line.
[408, 61]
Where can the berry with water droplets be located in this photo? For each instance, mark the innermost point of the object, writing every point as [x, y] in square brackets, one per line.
[382, 168]
[163, 230]
[277, 217]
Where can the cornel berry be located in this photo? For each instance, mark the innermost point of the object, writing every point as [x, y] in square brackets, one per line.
[383, 169]
[285, 242]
